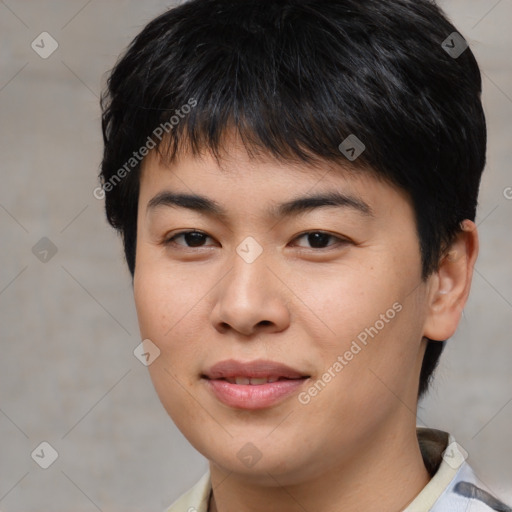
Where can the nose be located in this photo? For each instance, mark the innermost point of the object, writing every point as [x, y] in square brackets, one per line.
[251, 299]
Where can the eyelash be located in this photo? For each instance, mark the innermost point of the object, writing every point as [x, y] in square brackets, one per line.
[340, 241]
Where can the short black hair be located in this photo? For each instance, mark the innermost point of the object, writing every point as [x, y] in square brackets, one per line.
[295, 78]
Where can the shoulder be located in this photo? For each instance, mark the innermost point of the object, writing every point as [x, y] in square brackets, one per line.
[467, 493]
[195, 499]
[454, 486]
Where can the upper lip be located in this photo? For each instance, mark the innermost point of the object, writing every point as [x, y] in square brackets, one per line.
[258, 368]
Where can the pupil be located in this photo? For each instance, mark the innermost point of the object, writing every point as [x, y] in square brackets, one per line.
[194, 239]
[318, 239]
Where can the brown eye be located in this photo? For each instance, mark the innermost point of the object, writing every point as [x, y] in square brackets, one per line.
[191, 238]
[320, 239]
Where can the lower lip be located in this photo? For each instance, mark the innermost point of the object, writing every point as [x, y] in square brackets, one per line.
[248, 396]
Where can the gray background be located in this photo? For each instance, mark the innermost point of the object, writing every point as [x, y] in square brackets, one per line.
[68, 326]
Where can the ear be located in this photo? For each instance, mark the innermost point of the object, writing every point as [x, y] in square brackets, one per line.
[449, 286]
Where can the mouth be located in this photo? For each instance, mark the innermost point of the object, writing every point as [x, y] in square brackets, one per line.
[255, 381]
[252, 370]
[252, 385]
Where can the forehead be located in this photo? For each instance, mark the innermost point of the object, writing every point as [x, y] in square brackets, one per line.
[231, 156]
[238, 181]
[236, 164]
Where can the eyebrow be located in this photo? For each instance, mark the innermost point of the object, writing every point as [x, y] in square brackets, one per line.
[289, 208]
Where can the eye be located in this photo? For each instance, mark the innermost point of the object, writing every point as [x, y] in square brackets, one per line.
[320, 239]
[192, 239]
[316, 239]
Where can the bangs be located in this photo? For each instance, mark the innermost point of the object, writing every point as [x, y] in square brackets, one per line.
[278, 92]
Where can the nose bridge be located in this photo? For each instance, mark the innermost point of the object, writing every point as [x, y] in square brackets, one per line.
[247, 282]
[250, 295]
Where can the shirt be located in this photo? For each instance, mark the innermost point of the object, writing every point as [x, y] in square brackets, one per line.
[453, 487]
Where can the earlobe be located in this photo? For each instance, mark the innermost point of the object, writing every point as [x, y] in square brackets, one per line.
[450, 285]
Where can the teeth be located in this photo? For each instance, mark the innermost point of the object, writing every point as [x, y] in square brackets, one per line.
[252, 381]
[259, 381]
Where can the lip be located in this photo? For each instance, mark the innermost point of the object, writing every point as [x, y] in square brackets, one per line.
[252, 396]
[258, 368]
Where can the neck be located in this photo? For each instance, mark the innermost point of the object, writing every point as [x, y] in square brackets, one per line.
[386, 475]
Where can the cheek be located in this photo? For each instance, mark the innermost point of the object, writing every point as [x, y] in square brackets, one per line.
[372, 320]
[163, 298]
[164, 305]
[151, 303]
[168, 307]
[345, 301]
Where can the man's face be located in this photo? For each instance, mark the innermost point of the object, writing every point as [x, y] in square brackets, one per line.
[332, 292]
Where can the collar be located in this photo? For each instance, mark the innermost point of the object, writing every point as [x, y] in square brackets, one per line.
[442, 457]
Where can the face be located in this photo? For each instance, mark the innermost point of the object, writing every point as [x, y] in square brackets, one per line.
[289, 329]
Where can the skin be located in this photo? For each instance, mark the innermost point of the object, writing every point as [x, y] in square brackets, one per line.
[353, 446]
